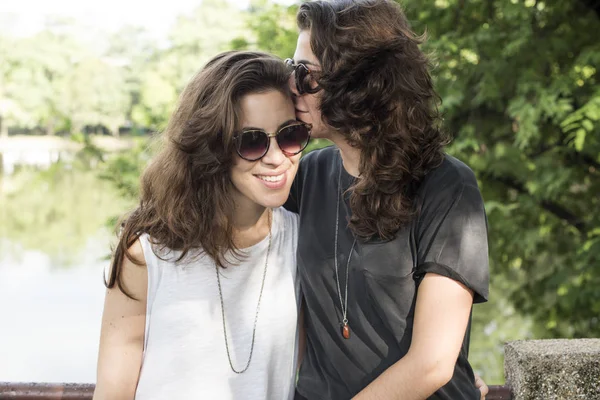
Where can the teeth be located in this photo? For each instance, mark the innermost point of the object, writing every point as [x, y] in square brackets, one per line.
[271, 178]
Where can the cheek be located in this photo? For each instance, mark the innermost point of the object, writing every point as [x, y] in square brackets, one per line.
[295, 161]
[240, 168]
[313, 105]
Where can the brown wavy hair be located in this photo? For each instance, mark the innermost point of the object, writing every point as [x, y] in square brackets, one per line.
[185, 201]
[378, 93]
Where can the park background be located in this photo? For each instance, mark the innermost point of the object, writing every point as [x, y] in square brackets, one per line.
[83, 89]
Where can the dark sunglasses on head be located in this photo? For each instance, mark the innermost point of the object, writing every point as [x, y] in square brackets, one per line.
[302, 77]
[252, 144]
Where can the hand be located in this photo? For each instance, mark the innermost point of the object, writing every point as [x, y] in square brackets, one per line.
[483, 388]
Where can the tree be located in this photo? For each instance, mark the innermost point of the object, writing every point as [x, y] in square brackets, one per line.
[273, 29]
[95, 95]
[131, 47]
[193, 40]
[5, 103]
[520, 89]
[34, 72]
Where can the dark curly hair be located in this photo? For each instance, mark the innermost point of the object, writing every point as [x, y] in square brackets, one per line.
[186, 201]
[378, 93]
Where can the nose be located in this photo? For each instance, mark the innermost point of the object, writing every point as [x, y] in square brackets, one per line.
[274, 156]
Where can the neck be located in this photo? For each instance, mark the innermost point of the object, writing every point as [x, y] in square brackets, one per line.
[350, 155]
[250, 225]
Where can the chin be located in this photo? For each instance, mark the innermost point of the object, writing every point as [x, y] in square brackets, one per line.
[275, 201]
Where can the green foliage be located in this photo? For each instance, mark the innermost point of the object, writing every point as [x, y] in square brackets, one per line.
[315, 144]
[100, 101]
[59, 210]
[520, 88]
[51, 81]
[123, 170]
[494, 323]
[273, 27]
[520, 93]
[33, 71]
[194, 39]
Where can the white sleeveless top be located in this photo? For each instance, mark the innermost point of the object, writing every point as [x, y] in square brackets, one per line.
[184, 347]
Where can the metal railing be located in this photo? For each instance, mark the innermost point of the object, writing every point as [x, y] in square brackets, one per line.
[85, 391]
[46, 391]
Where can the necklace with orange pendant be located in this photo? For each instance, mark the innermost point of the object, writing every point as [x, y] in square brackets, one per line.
[346, 330]
[344, 302]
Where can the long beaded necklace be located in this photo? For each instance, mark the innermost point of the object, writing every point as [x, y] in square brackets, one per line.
[257, 308]
[344, 303]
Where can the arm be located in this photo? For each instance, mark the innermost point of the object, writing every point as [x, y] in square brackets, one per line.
[441, 317]
[122, 333]
[452, 257]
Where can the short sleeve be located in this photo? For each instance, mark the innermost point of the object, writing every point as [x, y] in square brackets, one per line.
[452, 237]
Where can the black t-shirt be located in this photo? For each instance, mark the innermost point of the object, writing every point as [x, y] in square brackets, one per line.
[449, 237]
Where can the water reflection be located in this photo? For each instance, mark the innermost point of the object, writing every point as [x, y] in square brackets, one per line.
[53, 246]
[50, 315]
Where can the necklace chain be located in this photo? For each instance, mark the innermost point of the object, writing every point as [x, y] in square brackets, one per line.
[344, 303]
[257, 308]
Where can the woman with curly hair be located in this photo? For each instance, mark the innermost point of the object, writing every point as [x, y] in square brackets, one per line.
[202, 292]
[392, 249]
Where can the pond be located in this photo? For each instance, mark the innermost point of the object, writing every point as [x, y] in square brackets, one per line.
[55, 237]
[50, 315]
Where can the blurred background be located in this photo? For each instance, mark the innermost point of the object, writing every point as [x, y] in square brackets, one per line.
[83, 88]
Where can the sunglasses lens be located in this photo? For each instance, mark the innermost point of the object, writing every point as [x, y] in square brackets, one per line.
[302, 80]
[293, 139]
[252, 145]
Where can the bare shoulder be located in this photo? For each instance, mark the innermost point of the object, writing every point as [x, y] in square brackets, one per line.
[134, 274]
[137, 252]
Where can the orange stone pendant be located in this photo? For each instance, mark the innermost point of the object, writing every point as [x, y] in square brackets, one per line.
[346, 331]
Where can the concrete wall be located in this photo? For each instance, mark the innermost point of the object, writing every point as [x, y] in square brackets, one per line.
[563, 369]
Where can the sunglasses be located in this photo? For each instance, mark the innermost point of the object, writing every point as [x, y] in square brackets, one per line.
[302, 77]
[252, 144]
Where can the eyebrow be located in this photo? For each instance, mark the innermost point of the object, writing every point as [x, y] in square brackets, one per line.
[252, 128]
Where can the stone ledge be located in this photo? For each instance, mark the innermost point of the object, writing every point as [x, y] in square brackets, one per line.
[561, 369]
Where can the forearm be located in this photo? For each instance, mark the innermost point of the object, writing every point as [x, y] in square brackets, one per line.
[115, 390]
[441, 319]
[408, 379]
[118, 373]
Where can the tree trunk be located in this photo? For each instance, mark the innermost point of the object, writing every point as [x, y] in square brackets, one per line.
[50, 128]
[76, 128]
[3, 127]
